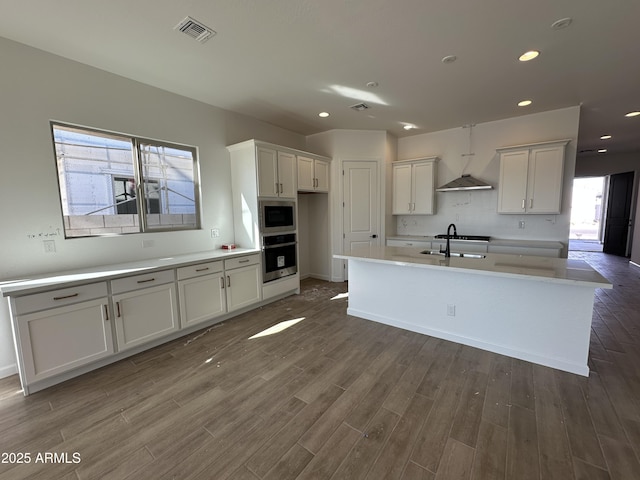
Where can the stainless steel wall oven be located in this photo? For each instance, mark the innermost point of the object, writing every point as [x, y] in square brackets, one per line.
[279, 257]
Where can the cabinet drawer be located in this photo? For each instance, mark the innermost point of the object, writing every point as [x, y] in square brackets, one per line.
[137, 282]
[242, 261]
[199, 269]
[59, 298]
[408, 243]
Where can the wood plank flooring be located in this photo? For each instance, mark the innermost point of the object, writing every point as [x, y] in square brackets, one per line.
[337, 397]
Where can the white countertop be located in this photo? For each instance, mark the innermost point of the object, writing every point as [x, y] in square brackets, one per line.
[547, 269]
[503, 242]
[45, 282]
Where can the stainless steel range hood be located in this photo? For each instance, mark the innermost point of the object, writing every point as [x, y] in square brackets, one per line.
[465, 182]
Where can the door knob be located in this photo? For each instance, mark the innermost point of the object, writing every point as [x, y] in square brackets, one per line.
[374, 236]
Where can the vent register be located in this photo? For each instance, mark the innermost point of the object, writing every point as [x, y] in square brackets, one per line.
[195, 29]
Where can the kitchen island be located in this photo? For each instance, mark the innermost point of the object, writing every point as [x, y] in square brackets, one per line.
[537, 309]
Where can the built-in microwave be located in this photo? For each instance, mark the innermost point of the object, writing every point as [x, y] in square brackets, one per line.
[277, 216]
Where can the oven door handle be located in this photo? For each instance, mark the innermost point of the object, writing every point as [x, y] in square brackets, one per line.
[288, 244]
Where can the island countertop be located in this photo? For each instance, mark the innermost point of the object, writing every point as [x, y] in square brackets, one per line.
[547, 269]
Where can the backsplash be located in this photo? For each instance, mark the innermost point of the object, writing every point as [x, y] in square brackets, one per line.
[474, 213]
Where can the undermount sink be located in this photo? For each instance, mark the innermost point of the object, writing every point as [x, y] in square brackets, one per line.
[454, 254]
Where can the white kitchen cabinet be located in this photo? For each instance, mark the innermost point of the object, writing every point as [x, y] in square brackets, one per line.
[529, 250]
[459, 246]
[408, 243]
[202, 293]
[414, 187]
[313, 175]
[531, 178]
[57, 339]
[243, 281]
[146, 309]
[276, 173]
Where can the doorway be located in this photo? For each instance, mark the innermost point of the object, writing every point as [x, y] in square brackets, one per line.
[600, 214]
[361, 221]
[587, 214]
[618, 214]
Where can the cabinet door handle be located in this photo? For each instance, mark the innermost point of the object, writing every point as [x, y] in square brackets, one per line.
[523, 200]
[277, 188]
[147, 280]
[66, 296]
[106, 312]
[281, 189]
[228, 281]
[531, 203]
[202, 269]
[118, 309]
[222, 283]
[246, 260]
[409, 206]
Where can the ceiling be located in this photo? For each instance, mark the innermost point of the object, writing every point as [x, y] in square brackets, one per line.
[284, 61]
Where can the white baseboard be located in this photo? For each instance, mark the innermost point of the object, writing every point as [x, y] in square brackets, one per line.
[8, 370]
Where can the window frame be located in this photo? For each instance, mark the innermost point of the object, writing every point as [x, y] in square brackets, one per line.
[139, 178]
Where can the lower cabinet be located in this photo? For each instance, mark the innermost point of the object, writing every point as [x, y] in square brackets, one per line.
[243, 281]
[202, 293]
[408, 243]
[145, 313]
[60, 330]
[60, 339]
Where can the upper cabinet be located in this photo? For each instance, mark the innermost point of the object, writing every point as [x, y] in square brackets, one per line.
[531, 178]
[414, 187]
[313, 174]
[276, 173]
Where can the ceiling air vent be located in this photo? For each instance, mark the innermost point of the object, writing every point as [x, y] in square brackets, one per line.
[359, 107]
[195, 29]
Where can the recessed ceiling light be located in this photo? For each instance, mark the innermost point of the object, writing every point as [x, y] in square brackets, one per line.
[605, 137]
[602, 150]
[323, 114]
[525, 103]
[530, 55]
[449, 59]
[562, 23]
[372, 84]
[632, 114]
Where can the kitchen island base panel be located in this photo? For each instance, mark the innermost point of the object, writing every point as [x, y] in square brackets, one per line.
[542, 322]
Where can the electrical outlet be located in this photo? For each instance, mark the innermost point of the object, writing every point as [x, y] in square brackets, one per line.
[148, 243]
[451, 310]
[49, 246]
[215, 232]
[521, 224]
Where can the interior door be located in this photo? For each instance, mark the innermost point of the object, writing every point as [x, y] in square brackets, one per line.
[617, 222]
[361, 211]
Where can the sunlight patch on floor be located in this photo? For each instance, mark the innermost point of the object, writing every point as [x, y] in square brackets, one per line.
[277, 328]
[341, 295]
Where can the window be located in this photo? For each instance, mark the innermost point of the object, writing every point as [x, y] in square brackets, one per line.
[111, 183]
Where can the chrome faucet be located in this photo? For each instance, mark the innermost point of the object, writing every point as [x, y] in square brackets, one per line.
[447, 252]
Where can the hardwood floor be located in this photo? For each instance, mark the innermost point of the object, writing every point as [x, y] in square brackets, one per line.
[337, 397]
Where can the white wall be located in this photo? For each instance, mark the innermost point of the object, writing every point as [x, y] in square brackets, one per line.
[475, 212]
[38, 87]
[351, 145]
